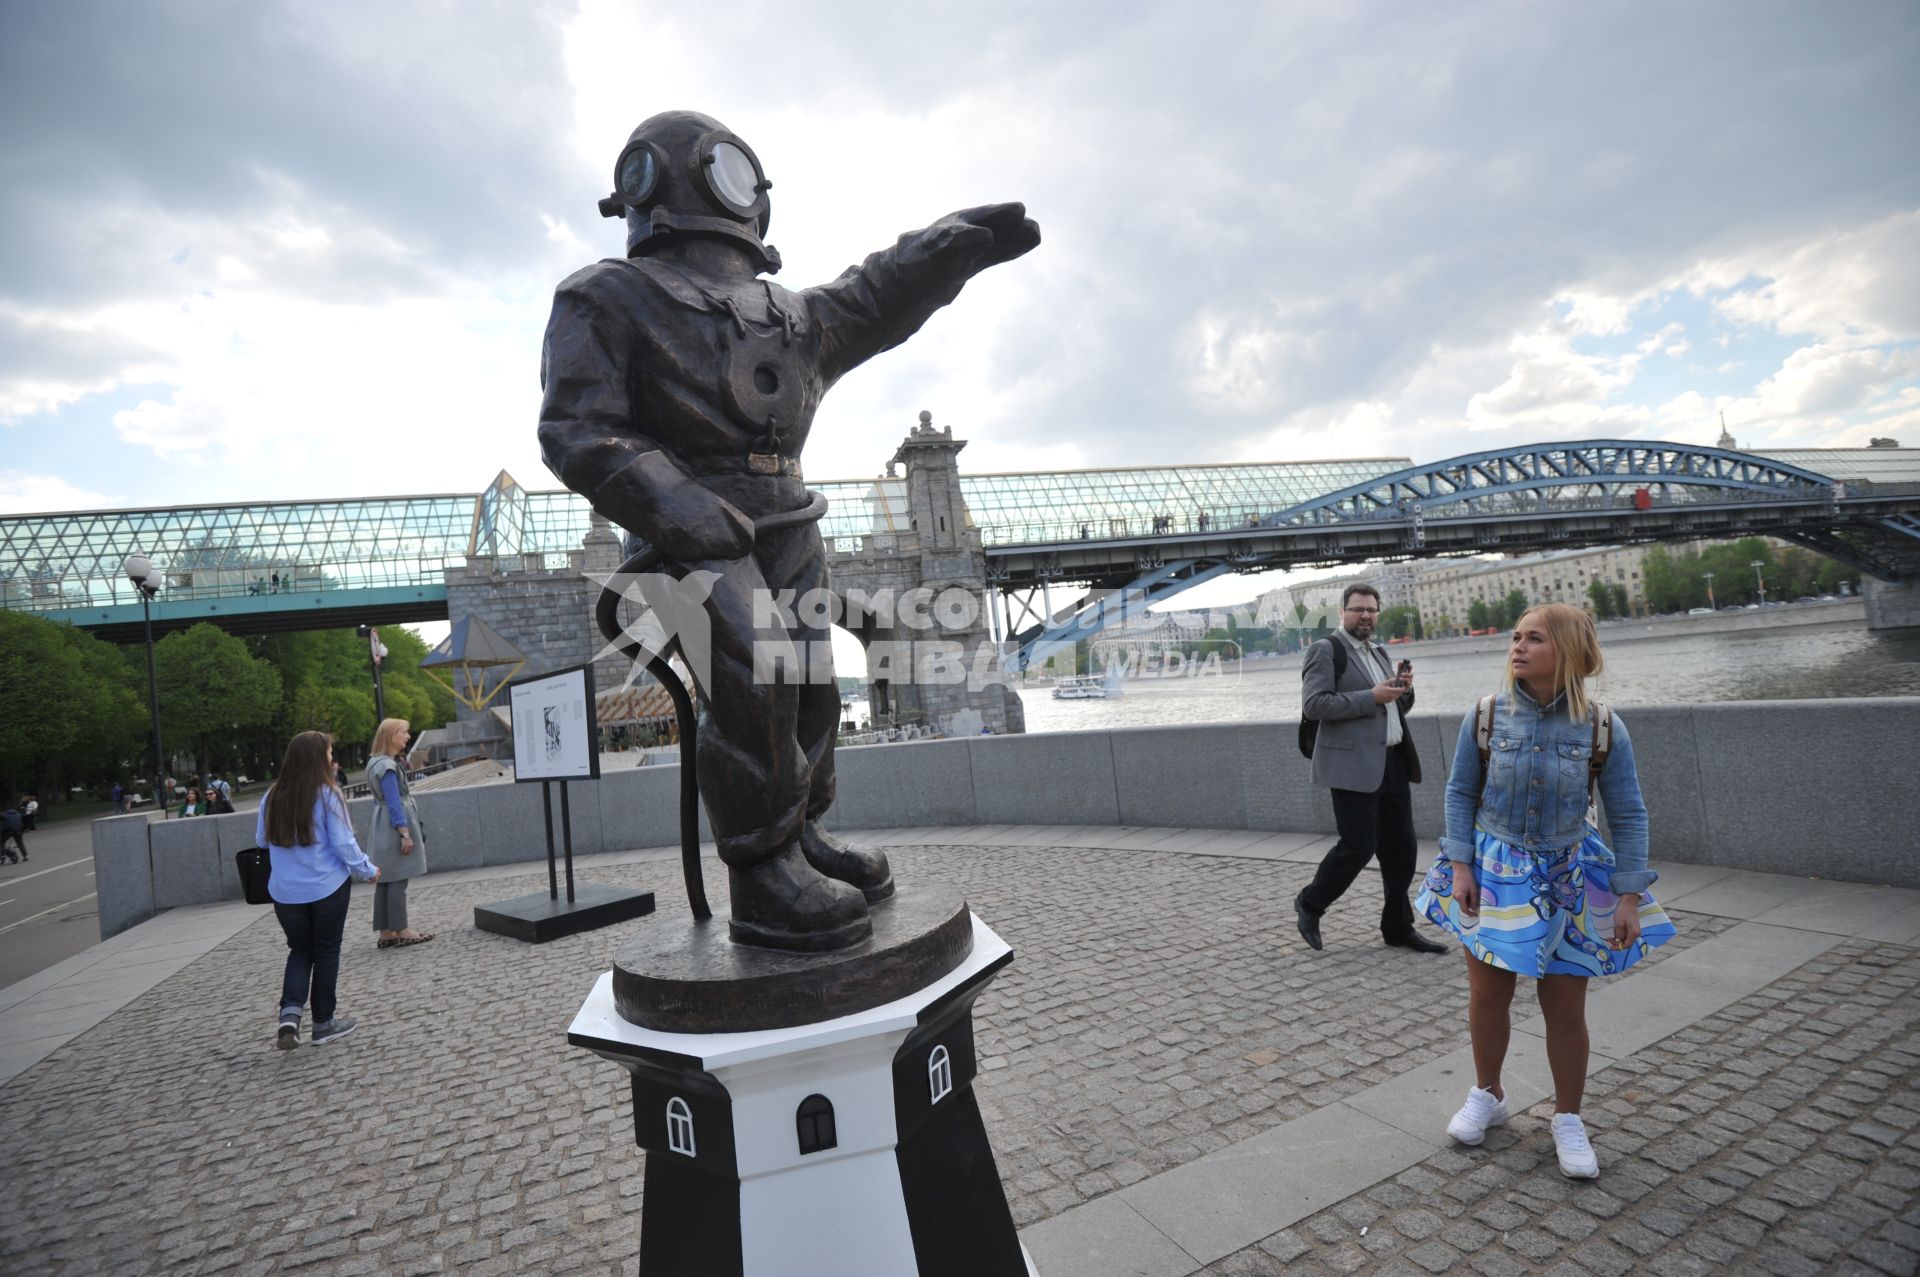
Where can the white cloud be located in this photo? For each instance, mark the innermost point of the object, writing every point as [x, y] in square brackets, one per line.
[1347, 230]
[23, 493]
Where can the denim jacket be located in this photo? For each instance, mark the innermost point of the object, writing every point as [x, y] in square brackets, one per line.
[1536, 796]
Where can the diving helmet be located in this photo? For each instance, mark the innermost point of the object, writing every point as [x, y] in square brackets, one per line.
[684, 173]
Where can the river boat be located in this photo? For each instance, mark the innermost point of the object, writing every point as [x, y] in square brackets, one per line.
[1080, 687]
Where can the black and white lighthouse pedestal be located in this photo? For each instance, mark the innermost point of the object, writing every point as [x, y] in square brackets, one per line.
[845, 1147]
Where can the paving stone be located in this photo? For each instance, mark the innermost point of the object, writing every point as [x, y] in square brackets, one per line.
[1138, 1028]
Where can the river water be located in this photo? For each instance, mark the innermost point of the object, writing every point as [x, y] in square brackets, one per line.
[1756, 665]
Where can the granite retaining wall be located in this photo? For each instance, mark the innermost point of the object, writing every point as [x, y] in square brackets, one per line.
[1820, 788]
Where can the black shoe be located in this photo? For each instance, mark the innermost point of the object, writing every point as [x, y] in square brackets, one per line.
[1418, 943]
[1309, 924]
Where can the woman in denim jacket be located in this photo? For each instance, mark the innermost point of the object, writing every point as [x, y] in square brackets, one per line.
[1526, 883]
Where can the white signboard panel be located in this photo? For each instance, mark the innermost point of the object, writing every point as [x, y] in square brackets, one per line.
[555, 735]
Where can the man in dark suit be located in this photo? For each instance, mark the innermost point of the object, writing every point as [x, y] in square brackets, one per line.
[1365, 755]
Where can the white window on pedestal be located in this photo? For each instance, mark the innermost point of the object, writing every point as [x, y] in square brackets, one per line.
[680, 1126]
[939, 1075]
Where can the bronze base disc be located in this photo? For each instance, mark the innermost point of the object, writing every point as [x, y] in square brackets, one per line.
[681, 976]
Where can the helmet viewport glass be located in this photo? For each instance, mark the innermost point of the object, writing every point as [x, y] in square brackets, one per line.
[636, 175]
[734, 177]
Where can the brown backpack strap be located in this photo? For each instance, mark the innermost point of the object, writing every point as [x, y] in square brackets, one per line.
[1483, 741]
[1602, 719]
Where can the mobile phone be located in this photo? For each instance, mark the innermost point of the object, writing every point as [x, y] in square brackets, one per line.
[1406, 668]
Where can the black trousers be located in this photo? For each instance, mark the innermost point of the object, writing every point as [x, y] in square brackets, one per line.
[1379, 826]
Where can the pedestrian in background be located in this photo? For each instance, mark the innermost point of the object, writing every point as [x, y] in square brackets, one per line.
[1363, 752]
[13, 830]
[304, 827]
[192, 806]
[1524, 880]
[395, 840]
[30, 811]
[119, 796]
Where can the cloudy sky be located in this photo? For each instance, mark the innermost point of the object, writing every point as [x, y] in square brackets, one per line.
[253, 250]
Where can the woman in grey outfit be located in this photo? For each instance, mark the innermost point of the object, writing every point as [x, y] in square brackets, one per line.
[395, 842]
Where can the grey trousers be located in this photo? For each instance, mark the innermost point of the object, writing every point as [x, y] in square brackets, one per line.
[390, 905]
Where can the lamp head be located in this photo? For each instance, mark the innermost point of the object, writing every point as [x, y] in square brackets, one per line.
[137, 568]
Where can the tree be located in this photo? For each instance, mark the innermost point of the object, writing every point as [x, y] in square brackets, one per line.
[1669, 582]
[1479, 616]
[344, 713]
[212, 689]
[1508, 611]
[1602, 598]
[1399, 622]
[68, 711]
[1622, 601]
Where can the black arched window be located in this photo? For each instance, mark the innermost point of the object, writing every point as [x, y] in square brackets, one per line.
[815, 1123]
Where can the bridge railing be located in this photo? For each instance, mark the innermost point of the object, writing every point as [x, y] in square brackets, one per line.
[1097, 527]
[29, 594]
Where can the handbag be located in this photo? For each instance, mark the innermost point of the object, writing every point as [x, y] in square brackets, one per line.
[255, 867]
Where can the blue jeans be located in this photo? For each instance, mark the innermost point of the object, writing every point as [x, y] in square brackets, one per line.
[313, 951]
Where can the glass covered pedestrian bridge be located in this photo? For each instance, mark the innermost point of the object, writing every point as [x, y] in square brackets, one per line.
[278, 563]
[1103, 505]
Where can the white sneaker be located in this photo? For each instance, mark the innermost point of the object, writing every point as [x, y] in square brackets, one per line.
[1482, 1110]
[1570, 1142]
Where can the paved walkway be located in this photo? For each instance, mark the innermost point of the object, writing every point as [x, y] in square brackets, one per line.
[1172, 1082]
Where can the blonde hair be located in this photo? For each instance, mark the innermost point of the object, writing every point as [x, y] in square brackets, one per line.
[1576, 647]
[387, 737]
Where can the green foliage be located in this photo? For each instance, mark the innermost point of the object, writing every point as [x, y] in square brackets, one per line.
[1399, 622]
[344, 713]
[68, 707]
[1479, 616]
[1622, 601]
[1601, 596]
[1509, 610]
[338, 659]
[1676, 582]
[212, 690]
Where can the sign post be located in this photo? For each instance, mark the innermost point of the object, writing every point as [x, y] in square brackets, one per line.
[556, 740]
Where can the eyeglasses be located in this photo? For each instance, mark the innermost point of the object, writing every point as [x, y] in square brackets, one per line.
[1364, 611]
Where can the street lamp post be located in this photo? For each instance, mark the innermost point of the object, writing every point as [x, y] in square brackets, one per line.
[140, 572]
[1759, 580]
[376, 652]
[1709, 576]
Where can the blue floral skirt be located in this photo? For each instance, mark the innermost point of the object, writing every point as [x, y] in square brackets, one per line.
[1549, 914]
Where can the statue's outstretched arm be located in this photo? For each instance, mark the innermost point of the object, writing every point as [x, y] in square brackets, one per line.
[883, 301]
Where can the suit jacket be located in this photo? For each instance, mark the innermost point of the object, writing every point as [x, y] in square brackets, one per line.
[1350, 751]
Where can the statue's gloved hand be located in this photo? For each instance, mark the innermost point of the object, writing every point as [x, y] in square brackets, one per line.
[983, 236]
[653, 497]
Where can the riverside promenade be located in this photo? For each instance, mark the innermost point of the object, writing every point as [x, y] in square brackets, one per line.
[1173, 1083]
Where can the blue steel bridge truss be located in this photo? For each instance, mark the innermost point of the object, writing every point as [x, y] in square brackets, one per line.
[1862, 508]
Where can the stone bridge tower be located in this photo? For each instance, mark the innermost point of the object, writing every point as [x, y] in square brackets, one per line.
[915, 593]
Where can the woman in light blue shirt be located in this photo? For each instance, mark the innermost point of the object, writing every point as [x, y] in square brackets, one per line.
[303, 825]
[1525, 882]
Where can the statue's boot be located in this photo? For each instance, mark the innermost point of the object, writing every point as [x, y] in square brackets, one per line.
[864, 867]
[782, 902]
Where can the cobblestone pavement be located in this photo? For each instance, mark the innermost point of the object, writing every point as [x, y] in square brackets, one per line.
[1159, 1006]
[1780, 1135]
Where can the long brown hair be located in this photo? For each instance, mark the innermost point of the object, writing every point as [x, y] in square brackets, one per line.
[304, 774]
[1576, 649]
